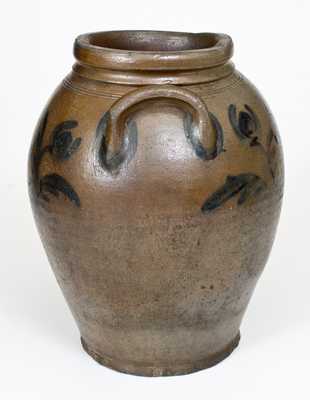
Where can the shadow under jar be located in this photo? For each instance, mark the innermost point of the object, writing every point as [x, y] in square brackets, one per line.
[156, 179]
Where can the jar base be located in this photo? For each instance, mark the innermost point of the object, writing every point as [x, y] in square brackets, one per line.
[141, 369]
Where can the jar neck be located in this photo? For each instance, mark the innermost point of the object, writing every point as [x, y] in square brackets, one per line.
[153, 57]
[137, 78]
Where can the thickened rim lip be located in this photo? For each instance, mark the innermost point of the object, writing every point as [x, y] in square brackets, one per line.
[153, 50]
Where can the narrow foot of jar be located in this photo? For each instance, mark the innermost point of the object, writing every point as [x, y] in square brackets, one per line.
[141, 369]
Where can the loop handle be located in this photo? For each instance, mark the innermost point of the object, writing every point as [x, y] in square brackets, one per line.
[118, 135]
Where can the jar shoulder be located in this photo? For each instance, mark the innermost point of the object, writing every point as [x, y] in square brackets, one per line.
[65, 154]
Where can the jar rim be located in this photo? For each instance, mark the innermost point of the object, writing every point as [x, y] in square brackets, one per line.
[153, 50]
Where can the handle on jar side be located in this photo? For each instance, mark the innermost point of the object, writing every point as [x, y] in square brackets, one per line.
[116, 138]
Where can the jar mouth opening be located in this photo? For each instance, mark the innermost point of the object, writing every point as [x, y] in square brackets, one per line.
[150, 41]
[153, 50]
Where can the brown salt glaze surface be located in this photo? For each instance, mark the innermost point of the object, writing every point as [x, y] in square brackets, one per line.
[156, 180]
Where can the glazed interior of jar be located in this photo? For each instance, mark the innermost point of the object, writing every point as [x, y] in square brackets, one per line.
[153, 50]
[152, 41]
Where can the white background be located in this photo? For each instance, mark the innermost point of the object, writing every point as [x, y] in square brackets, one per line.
[40, 355]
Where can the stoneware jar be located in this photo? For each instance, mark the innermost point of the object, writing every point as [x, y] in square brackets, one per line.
[156, 179]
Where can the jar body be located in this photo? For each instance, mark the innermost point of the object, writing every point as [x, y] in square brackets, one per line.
[158, 253]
